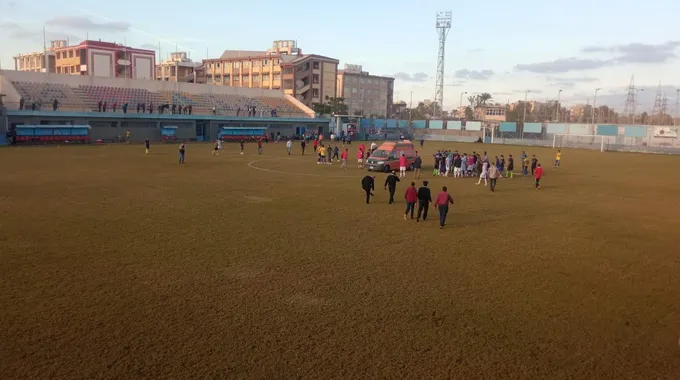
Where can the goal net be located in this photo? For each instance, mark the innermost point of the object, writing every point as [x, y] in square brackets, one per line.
[578, 141]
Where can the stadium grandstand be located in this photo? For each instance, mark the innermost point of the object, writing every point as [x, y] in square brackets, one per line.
[29, 97]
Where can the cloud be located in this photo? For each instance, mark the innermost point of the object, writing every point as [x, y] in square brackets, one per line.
[562, 65]
[478, 50]
[19, 32]
[86, 24]
[473, 74]
[149, 46]
[503, 93]
[622, 54]
[569, 82]
[530, 91]
[415, 77]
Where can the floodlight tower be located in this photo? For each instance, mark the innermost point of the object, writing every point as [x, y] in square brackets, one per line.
[443, 26]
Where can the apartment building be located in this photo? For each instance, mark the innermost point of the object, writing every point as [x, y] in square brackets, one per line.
[366, 94]
[178, 68]
[490, 113]
[105, 59]
[36, 61]
[310, 78]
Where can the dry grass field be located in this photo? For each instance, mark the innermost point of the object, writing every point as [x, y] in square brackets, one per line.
[117, 265]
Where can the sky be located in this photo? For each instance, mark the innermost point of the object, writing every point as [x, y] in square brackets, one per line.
[500, 47]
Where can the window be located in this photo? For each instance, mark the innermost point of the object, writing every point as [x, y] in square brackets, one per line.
[277, 76]
[265, 62]
[354, 90]
[256, 77]
[315, 65]
[287, 84]
[70, 53]
[246, 64]
[315, 92]
[218, 65]
[77, 53]
[237, 65]
[315, 78]
[256, 63]
[276, 62]
[58, 55]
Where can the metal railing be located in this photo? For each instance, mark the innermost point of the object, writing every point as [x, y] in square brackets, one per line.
[132, 109]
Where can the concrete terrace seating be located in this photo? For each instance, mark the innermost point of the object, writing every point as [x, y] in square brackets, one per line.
[120, 95]
[281, 105]
[46, 93]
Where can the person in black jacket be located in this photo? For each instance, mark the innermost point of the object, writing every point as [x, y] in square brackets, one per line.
[391, 184]
[424, 200]
[368, 184]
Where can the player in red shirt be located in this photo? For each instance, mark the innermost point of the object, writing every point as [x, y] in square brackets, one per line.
[538, 173]
[402, 166]
[343, 158]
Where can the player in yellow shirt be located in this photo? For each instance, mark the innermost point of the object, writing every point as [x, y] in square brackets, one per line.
[558, 157]
[322, 154]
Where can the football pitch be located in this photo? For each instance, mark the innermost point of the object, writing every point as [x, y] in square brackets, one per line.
[119, 265]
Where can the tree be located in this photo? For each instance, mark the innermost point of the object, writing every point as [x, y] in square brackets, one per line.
[482, 99]
[469, 114]
[332, 106]
[473, 100]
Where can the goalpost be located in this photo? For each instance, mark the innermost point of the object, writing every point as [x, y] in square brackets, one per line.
[564, 140]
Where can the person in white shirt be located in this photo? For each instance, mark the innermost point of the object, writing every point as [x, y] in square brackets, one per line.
[289, 146]
[485, 173]
[374, 146]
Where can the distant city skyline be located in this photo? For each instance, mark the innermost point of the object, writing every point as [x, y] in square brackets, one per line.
[517, 46]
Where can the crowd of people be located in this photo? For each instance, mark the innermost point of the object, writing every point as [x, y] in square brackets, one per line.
[445, 163]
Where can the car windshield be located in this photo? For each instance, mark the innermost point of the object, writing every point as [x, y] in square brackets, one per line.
[379, 153]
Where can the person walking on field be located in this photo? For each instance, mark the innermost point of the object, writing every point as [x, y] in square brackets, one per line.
[368, 184]
[147, 143]
[402, 166]
[391, 184]
[424, 200]
[442, 203]
[360, 158]
[182, 150]
[259, 146]
[216, 149]
[303, 145]
[485, 173]
[494, 173]
[558, 158]
[411, 196]
[534, 162]
[417, 165]
[289, 146]
[343, 158]
[538, 174]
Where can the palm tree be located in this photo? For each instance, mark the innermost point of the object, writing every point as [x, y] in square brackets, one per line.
[472, 99]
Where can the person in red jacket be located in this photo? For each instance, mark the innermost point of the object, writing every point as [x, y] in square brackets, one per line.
[411, 199]
[402, 166]
[343, 158]
[316, 144]
[538, 173]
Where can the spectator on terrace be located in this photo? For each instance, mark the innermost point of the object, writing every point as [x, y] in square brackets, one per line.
[115, 105]
[100, 105]
[21, 103]
[191, 108]
[125, 107]
[173, 109]
[150, 107]
[238, 111]
[55, 105]
[104, 106]
[214, 110]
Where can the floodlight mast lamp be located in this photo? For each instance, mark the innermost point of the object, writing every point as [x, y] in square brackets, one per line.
[443, 26]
